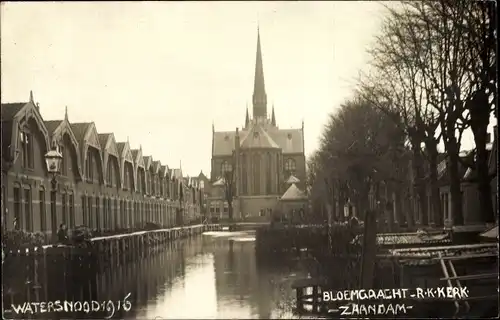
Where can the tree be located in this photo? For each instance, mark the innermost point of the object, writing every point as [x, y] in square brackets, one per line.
[396, 86]
[443, 52]
[358, 146]
[480, 34]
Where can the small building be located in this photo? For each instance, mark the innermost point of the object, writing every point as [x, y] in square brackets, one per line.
[293, 203]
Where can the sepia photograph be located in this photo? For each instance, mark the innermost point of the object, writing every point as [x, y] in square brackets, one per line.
[249, 160]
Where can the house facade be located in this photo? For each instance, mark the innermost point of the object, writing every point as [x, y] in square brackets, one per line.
[104, 184]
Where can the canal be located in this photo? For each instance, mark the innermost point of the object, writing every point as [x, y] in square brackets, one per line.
[215, 275]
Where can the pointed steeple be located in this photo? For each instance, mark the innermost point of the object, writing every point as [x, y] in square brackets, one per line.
[259, 89]
[31, 96]
[66, 113]
[273, 117]
[247, 119]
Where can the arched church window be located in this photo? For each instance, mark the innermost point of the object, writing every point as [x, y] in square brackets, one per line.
[290, 165]
[226, 167]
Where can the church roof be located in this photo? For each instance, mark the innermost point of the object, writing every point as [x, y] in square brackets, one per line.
[292, 179]
[293, 193]
[288, 140]
[257, 137]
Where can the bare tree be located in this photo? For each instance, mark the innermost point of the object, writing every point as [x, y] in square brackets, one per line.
[480, 35]
[396, 86]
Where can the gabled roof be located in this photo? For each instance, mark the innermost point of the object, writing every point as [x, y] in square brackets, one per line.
[224, 142]
[156, 166]
[79, 129]
[293, 193]
[202, 176]
[148, 161]
[292, 179]
[137, 156]
[258, 138]
[288, 140]
[177, 174]
[103, 139]
[52, 125]
[164, 171]
[9, 110]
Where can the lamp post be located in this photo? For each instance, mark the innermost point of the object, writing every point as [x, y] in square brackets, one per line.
[53, 159]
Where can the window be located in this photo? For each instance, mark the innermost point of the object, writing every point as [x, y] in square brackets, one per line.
[17, 208]
[226, 167]
[268, 174]
[104, 213]
[27, 149]
[126, 178]
[256, 175]
[84, 211]
[90, 165]
[109, 177]
[27, 210]
[244, 177]
[97, 221]
[278, 163]
[290, 166]
[64, 212]
[71, 211]
[122, 213]
[130, 216]
[43, 217]
[64, 165]
[115, 213]
[110, 214]
[151, 184]
[90, 204]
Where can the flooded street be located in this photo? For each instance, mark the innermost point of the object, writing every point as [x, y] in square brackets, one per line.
[214, 275]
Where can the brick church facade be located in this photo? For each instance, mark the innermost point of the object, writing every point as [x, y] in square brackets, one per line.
[266, 159]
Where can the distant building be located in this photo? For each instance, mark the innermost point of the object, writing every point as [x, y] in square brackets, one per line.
[103, 184]
[262, 155]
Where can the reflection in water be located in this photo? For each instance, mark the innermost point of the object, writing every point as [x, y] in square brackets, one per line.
[219, 279]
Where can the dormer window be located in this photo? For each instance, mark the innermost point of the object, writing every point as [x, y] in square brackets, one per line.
[289, 136]
[226, 138]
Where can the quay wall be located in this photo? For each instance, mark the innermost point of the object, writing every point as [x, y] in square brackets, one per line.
[67, 273]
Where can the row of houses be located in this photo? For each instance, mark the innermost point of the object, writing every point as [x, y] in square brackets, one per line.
[103, 184]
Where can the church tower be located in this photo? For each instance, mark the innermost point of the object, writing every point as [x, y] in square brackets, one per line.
[259, 97]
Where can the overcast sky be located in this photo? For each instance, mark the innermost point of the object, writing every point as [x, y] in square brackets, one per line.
[162, 72]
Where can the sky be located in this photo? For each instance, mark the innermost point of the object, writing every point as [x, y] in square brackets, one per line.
[161, 73]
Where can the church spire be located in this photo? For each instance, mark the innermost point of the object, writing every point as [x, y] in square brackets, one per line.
[259, 90]
[273, 118]
[247, 119]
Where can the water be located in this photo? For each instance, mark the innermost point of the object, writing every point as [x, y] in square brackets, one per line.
[212, 276]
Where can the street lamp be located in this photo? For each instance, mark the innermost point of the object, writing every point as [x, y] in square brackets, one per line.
[53, 159]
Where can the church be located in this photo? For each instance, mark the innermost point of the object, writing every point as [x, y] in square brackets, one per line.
[267, 163]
